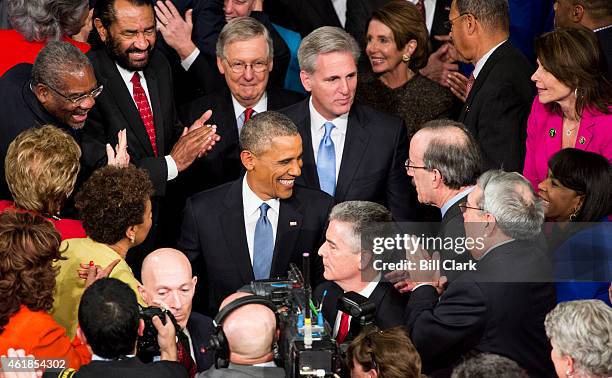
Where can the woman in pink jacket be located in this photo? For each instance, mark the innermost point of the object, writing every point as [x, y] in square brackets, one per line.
[573, 107]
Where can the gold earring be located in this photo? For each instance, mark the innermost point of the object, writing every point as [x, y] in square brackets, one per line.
[574, 215]
[406, 58]
[132, 237]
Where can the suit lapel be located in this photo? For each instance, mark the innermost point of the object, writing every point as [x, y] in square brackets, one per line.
[230, 132]
[287, 232]
[119, 92]
[330, 307]
[309, 168]
[355, 144]
[158, 119]
[325, 8]
[235, 234]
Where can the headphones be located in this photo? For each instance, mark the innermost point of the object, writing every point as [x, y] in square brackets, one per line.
[218, 341]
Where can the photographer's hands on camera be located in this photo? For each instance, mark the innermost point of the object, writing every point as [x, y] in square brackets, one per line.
[166, 335]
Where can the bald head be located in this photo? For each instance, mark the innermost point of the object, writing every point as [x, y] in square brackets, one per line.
[250, 331]
[167, 282]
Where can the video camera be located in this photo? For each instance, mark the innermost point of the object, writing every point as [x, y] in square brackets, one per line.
[147, 346]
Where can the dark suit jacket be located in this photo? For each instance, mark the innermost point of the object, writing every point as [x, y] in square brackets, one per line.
[451, 226]
[493, 309]
[131, 367]
[19, 111]
[200, 329]
[497, 108]
[303, 16]
[390, 304]
[115, 110]
[222, 164]
[372, 167]
[214, 238]
[605, 41]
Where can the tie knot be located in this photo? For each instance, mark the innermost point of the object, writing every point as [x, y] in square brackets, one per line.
[248, 113]
[136, 78]
[328, 128]
[263, 209]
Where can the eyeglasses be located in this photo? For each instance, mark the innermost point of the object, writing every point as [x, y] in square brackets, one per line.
[240, 67]
[463, 206]
[449, 24]
[78, 100]
[407, 165]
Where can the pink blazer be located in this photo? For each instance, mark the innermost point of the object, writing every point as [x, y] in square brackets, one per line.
[544, 138]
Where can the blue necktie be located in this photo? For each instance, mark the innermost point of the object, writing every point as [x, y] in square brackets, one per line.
[263, 245]
[326, 161]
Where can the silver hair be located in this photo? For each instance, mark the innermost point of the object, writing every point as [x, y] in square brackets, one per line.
[491, 13]
[489, 365]
[54, 61]
[326, 39]
[361, 216]
[454, 152]
[43, 20]
[243, 29]
[583, 330]
[508, 196]
[257, 133]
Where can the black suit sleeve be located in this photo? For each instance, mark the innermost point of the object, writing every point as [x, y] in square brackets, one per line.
[208, 20]
[442, 329]
[399, 198]
[189, 242]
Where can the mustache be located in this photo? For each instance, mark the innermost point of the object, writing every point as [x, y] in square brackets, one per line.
[135, 50]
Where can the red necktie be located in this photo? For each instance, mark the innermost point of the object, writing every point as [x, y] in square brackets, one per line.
[184, 356]
[248, 113]
[144, 109]
[343, 329]
[421, 7]
[469, 85]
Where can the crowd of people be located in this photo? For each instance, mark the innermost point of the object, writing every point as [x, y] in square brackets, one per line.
[159, 156]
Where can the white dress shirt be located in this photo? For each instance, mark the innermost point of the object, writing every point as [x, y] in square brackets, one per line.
[478, 66]
[251, 203]
[338, 134]
[127, 75]
[366, 292]
[261, 106]
[340, 7]
[430, 10]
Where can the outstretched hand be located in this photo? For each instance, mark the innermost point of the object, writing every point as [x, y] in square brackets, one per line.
[118, 157]
[175, 30]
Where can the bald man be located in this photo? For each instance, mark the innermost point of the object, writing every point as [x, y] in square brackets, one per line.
[167, 281]
[251, 332]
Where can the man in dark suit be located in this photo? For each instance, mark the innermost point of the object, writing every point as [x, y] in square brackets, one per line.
[244, 57]
[303, 16]
[138, 98]
[59, 89]
[498, 304]
[254, 227]
[348, 264]
[595, 15]
[444, 163]
[109, 323]
[167, 282]
[351, 151]
[500, 91]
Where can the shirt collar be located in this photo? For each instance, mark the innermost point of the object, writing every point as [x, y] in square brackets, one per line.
[481, 62]
[318, 121]
[454, 200]
[369, 289]
[251, 201]
[260, 107]
[127, 75]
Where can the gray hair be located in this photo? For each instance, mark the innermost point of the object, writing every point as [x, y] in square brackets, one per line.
[243, 29]
[362, 216]
[257, 133]
[326, 39]
[486, 365]
[42, 20]
[54, 61]
[493, 14]
[508, 196]
[583, 330]
[454, 152]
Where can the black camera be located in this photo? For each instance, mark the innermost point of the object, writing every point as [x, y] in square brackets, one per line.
[148, 346]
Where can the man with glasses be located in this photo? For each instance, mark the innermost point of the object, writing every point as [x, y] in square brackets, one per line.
[499, 92]
[244, 57]
[59, 89]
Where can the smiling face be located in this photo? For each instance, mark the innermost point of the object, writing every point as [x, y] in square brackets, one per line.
[75, 84]
[341, 258]
[332, 84]
[549, 88]
[559, 202]
[131, 37]
[272, 173]
[236, 8]
[382, 49]
[248, 86]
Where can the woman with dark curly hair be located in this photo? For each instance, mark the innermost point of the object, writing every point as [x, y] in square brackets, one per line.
[115, 208]
[28, 246]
